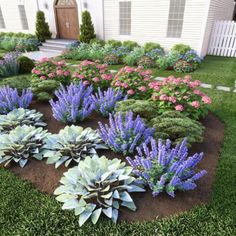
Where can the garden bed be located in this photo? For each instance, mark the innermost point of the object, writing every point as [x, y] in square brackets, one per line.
[46, 178]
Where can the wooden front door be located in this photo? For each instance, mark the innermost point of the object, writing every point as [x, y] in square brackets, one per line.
[67, 21]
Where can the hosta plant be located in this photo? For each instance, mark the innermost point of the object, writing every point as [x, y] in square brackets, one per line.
[74, 103]
[21, 144]
[166, 169]
[133, 81]
[176, 126]
[125, 132]
[105, 101]
[10, 99]
[71, 145]
[97, 186]
[180, 94]
[19, 117]
[89, 72]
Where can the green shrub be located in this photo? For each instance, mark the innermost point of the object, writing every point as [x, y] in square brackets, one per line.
[146, 109]
[8, 45]
[130, 44]
[114, 43]
[42, 27]
[86, 28]
[112, 59]
[97, 41]
[148, 47]
[44, 89]
[146, 62]
[133, 57]
[19, 82]
[183, 66]
[180, 48]
[168, 61]
[26, 64]
[176, 126]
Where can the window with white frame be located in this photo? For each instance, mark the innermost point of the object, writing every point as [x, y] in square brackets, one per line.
[176, 18]
[23, 17]
[125, 17]
[2, 22]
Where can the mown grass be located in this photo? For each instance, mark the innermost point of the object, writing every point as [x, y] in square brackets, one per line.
[26, 211]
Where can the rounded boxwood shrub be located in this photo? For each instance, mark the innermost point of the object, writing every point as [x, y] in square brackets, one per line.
[114, 43]
[26, 64]
[130, 44]
[149, 46]
[176, 126]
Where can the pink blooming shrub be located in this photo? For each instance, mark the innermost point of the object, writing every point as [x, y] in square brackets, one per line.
[47, 69]
[93, 73]
[133, 81]
[180, 94]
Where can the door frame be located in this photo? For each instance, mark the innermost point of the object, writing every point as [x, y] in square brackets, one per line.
[55, 6]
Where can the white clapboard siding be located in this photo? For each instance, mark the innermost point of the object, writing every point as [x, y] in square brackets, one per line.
[223, 39]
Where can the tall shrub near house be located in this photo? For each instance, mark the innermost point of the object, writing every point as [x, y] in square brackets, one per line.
[86, 28]
[42, 27]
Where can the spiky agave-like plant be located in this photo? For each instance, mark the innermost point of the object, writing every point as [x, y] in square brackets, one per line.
[71, 144]
[73, 103]
[168, 169]
[21, 144]
[105, 101]
[10, 99]
[125, 132]
[19, 117]
[95, 186]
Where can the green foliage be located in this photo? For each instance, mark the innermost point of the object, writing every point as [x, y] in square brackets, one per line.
[181, 48]
[19, 82]
[130, 44]
[145, 108]
[44, 89]
[114, 43]
[168, 61]
[97, 41]
[183, 66]
[86, 28]
[112, 59]
[95, 186]
[175, 126]
[134, 56]
[8, 45]
[148, 47]
[21, 144]
[16, 35]
[26, 64]
[146, 62]
[42, 27]
[71, 145]
[20, 117]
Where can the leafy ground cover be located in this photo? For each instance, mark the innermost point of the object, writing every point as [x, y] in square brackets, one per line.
[26, 211]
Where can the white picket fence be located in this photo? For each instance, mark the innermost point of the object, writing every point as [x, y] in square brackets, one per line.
[223, 39]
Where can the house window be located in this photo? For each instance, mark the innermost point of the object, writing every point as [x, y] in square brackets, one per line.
[23, 17]
[176, 18]
[2, 22]
[125, 18]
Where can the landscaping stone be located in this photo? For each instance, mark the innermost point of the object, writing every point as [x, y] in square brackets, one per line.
[223, 88]
[159, 78]
[206, 86]
[113, 71]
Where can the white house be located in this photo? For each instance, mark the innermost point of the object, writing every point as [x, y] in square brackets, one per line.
[164, 21]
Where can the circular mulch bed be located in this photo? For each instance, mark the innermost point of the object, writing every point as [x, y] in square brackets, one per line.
[46, 177]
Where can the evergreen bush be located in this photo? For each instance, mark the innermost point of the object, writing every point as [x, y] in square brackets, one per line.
[42, 27]
[26, 64]
[86, 28]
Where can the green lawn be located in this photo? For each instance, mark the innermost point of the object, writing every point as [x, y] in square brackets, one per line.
[25, 211]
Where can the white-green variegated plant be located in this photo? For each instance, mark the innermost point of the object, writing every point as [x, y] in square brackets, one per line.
[19, 117]
[96, 186]
[71, 144]
[21, 144]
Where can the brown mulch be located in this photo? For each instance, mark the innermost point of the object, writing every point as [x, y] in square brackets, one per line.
[46, 178]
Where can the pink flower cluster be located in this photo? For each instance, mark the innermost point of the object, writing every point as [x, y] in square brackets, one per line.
[133, 80]
[181, 94]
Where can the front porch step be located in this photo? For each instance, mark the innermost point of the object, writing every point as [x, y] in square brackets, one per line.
[50, 49]
[63, 42]
[59, 46]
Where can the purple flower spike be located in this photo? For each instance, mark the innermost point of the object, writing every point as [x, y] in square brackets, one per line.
[125, 132]
[163, 168]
